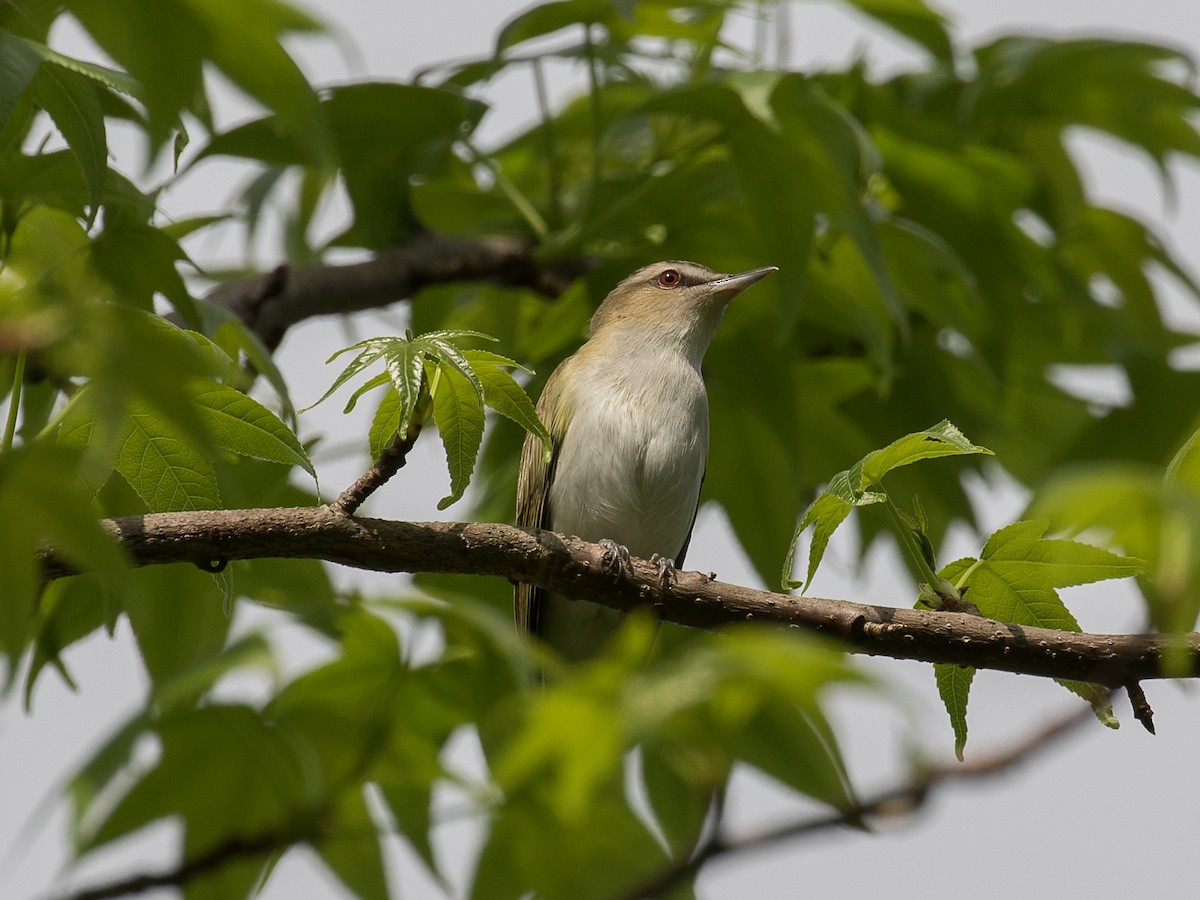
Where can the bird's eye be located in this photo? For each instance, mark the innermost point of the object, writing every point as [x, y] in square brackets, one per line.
[668, 278]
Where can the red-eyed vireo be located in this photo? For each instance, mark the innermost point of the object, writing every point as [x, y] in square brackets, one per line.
[628, 416]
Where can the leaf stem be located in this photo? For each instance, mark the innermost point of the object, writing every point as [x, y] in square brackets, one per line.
[14, 403]
[523, 205]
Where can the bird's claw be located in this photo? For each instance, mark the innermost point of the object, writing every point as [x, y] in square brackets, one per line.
[665, 568]
[615, 560]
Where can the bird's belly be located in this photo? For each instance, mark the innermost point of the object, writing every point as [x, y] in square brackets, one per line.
[632, 478]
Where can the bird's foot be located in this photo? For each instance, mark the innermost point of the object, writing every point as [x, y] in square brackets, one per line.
[666, 568]
[615, 560]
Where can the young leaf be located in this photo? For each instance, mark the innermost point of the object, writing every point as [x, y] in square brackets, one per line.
[386, 423]
[406, 367]
[1015, 580]
[371, 350]
[458, 411]
[954, 686]
[852, 488]
[502, 393]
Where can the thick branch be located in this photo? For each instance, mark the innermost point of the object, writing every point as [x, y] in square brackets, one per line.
[271, 303]
[574, 568]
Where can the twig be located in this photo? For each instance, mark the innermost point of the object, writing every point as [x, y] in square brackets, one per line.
[1141, 706]
[236, 848]
[894, 803]
[574, 568]
[390, 462]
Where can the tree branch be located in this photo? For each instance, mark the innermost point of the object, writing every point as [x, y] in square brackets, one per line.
[575, 569]
[271, 303]
[186, 871]
[899, 801]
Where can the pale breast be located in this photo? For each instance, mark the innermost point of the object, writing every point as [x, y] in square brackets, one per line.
[632, 460]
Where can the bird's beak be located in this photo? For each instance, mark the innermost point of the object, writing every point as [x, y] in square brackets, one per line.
[732, 285]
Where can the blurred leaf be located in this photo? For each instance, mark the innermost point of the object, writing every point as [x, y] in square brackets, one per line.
[914, 20]
[350, 847]
[177, 617]
[19, 64]
[680, 804]
[37, 490]
[242, 425]
[72, 102]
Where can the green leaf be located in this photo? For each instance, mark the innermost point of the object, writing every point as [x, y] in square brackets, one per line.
[851, 488]
[242, 425]
[350, 847]
[827, 512]
[72, 102]
[371, 351]
[1023, 557]
[954, 687]
[102, 75]
[458, 411]
[385, 134]
[163, 466]
[680, 804]
[1014, 580]
[1098, 698]
[177, 617]
[37, 489]
[449, 357]
[914, 20]
[19, 64]
[942, 439]
[502, 393]
[385, 424]
[155, 272]
[406, 368]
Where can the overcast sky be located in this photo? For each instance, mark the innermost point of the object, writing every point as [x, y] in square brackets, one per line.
[1103, 815]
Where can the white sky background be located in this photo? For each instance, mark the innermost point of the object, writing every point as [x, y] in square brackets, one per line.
[1104, 814]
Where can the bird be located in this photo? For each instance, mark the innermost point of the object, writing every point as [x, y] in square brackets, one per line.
[627, 415]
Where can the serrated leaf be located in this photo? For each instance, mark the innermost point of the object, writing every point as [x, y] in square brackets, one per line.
[827, 512]
[244, 426]
[942, 439]
[1025, 557]
[954, 687]
[502, 393]
[369, 385]
[113, 78]
[406, 368]
[385, 424]
[450, 357]
[371, 351]
[162, 466]
[458, 411]
[852, 488]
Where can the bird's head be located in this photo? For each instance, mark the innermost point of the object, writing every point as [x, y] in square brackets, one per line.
[675, 301]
